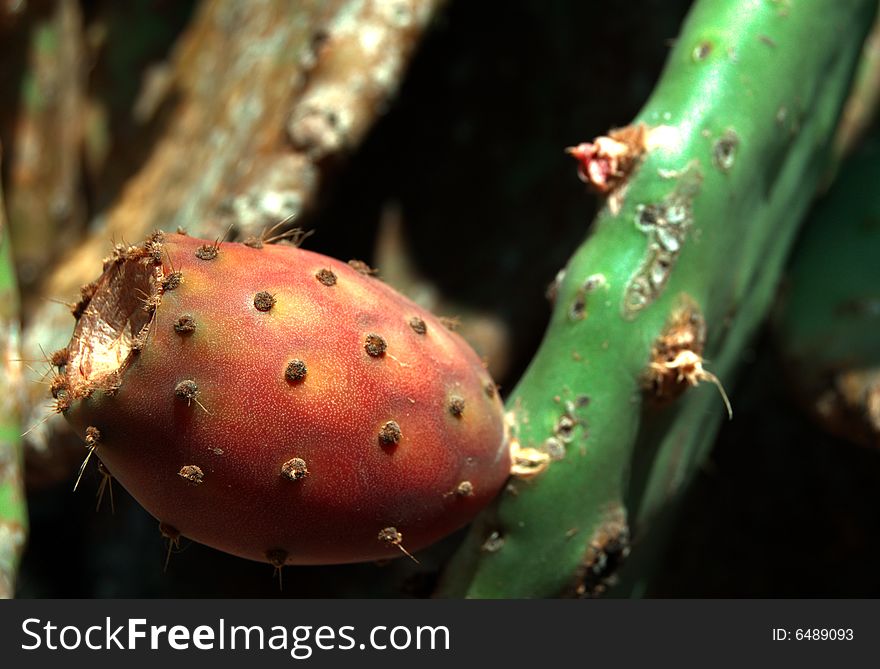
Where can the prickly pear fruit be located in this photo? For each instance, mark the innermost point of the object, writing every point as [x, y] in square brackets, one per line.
[278, 404]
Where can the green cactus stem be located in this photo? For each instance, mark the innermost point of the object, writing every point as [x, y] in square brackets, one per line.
[705, 193]
[13, 514]
[828, 321]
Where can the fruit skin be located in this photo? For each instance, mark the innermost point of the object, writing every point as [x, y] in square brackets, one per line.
[201, 424]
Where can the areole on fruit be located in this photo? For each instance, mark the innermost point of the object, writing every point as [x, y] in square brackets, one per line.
[261, 409]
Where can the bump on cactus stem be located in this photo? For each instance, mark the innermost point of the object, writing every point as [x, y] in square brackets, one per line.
[527, 462]
[608, 548]
[666, 224]
[494, 543]
[606, 162]
[677, 357]
[578, 310]
[724, 150]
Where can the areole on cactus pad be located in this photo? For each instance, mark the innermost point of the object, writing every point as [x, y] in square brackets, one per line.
[278, 404]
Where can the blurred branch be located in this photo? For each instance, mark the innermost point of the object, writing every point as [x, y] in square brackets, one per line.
[45, 74]
[13, 514]
[861, 105]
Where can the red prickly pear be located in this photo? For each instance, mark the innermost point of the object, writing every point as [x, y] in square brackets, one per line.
[281, 405]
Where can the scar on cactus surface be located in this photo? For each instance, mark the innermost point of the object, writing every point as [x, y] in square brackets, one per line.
[259, 406]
